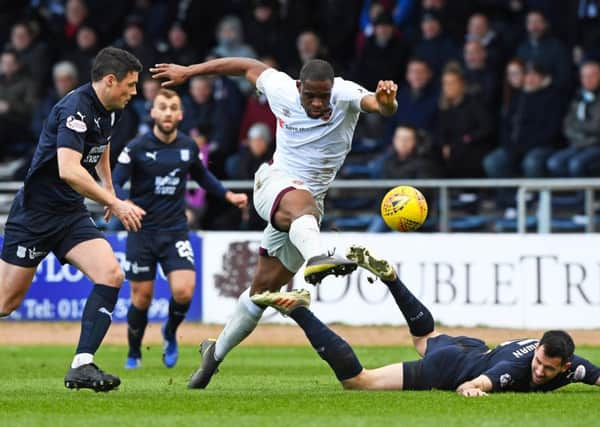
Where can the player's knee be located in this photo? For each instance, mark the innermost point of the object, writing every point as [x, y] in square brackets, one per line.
[114, 276]
[8, 304]
[141, 299]
[183, 295]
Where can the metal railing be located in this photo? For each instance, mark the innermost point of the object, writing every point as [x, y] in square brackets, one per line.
[543, 186]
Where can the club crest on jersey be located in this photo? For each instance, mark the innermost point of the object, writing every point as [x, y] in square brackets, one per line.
[75, 124]
[124, 156]
[185, 155]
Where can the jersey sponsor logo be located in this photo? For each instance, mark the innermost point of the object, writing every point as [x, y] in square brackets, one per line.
[97, 121]
[185, 155]
[75, 124]
[286, 112]
[112, 119]
[94, 154]
[184, 250]
[151, 154]
[81, 116]
[167, 185]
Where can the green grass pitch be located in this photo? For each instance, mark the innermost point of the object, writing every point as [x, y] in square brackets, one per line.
[258, 386]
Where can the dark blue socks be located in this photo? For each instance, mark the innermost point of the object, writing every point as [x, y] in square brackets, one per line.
[177, 312]
[330, 346]
[136, 326]
[96, 318]
[418, 317]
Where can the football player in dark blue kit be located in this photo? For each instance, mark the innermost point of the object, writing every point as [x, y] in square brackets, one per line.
[158, 164]
[48, 213]
[463, 364]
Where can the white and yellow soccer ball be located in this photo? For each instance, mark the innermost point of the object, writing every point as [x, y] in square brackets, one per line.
[404, 208]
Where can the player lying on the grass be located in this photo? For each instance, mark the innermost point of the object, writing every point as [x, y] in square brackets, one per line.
[48, 213]
[461, 363]
[316, 116]
[158, 164]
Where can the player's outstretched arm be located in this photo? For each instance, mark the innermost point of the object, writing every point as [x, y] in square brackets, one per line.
[479, 386]
[384, 101]
[71, 171]
[174, 74]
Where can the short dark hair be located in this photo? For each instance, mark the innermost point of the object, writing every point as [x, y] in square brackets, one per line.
[558, 344]
[112, 60]
[316, 70]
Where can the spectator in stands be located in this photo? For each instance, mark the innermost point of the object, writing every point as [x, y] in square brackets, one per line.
[435, 47]
[464, 128]
[337, 23]
[17, 100]
[512, 89]
[65, 27]
[65, 79]
[452, 15]
[400, 10]
[481, 79]
[417, 99]
[411, 156]
[384, 55]
[531, 130]
[582, 129]
[142, 106]
[479, 30]
[230, 42]
[134, 41]
[542, 48]
[263, 28]
[257, 111]
[32, 53]
[88, 45]
[205, 120]
[177, 48]
[308, 46]
[259, 150]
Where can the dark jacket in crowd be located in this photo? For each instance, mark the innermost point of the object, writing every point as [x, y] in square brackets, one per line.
[535, 122]
[437, 52]
[552, 55]
[417, 109]
[467, 128]
[381, 62]
[582, 123]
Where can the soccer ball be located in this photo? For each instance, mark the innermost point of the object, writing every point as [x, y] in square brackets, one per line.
[404, 208]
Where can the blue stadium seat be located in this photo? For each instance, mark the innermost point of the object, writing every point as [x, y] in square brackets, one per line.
[510, 224]
[469, 223]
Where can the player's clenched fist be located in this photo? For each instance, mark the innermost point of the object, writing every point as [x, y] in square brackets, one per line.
[239, 200]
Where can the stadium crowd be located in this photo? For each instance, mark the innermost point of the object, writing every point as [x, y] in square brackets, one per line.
[488, 88]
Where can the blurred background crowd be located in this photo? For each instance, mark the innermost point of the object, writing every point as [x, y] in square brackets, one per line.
[487, 88]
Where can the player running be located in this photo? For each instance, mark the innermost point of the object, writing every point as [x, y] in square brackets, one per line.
[158, 164]
[463, 364]
[48, 213]
[316, 117]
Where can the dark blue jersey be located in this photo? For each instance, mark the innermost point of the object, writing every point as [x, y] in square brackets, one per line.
[508, 366]
[158, 172]
[78, 121]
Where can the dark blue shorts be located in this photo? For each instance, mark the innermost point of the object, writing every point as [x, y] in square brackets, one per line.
[446, 364]
[145, 249]
[29, 235]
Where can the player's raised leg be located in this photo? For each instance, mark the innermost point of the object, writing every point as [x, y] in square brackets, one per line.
[297, 213]
[14, 283]
[182, 284]
[419, 318]
[107, 277]
[270, 275]
[137, 320]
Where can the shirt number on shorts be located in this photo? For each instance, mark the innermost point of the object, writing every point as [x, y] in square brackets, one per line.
[184, 249]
